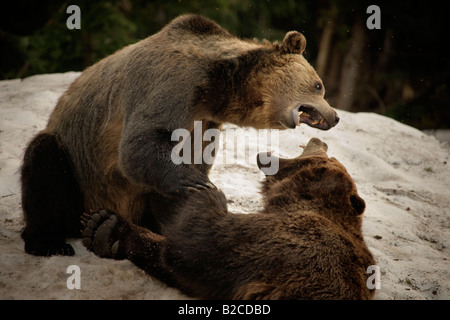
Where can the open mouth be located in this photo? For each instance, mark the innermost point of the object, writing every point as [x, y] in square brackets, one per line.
[304, 113]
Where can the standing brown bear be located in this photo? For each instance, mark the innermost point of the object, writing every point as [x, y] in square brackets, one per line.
[306, 243]
[108, 141]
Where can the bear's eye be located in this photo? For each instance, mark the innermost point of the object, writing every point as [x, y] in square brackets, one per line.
[318, 86]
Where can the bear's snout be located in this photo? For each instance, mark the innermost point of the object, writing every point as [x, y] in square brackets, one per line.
[336, 120]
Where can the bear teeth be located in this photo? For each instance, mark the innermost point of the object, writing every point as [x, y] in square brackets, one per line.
[299, 115]
[316, 122]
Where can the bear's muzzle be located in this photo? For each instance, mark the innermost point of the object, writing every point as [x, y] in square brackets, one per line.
[318, 115]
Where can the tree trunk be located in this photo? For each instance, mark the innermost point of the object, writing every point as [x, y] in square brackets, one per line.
[351, 66]
[324, 49]
[331, 79]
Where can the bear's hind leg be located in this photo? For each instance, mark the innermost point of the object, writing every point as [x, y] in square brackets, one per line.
[51, 198]
[109, 236]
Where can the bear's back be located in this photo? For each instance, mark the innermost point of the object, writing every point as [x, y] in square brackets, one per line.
[196, 25]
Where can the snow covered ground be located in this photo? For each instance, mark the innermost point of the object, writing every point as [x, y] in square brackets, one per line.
[403, 175]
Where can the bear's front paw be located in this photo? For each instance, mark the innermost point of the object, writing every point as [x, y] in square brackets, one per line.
[101, 233]
[188, 183]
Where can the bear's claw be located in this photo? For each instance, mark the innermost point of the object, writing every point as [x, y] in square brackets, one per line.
[48, 249]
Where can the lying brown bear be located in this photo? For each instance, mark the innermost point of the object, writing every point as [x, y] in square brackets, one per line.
[305, 244]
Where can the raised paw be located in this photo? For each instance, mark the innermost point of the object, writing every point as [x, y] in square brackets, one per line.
[191, 184]
[100, 234]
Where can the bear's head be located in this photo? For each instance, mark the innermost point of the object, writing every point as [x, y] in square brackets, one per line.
[313, 181]
[284, 87]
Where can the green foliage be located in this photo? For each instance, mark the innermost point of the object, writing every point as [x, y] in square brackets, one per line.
[55, 48]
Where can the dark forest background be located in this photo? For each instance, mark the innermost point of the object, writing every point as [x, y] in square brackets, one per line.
[401, 70]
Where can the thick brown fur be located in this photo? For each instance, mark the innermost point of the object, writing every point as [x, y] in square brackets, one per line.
[306, 243]
[114, 123]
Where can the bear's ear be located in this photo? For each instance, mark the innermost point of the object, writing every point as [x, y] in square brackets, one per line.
[293, 42]
[270, 164]
[358, 204]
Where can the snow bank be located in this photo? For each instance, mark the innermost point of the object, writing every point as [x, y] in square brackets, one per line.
[403, 175]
